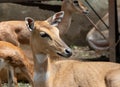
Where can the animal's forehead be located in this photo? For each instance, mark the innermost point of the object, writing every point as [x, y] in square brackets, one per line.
[45, 26]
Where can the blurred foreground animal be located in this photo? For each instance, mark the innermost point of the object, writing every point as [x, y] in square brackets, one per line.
[13, 60]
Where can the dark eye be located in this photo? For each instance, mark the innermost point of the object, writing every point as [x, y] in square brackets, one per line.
[75, 2]
[44, 35]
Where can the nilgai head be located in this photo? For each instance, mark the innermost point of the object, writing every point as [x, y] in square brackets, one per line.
[45, 36]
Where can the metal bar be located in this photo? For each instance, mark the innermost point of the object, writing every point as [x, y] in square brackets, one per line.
[88, 17]
[97, 14]
[113, 34]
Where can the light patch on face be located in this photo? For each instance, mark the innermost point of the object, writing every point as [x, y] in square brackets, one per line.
[41, 76]
[41, 58]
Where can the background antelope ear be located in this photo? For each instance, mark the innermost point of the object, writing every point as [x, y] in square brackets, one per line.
[56, 18]
[29, 23]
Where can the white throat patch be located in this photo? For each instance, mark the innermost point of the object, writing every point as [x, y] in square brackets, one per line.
[41, 58]
[43, 76]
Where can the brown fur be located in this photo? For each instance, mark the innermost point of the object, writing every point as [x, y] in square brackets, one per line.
[16, 32]
[14, 57]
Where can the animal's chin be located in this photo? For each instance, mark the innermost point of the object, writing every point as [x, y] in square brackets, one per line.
[64, 55]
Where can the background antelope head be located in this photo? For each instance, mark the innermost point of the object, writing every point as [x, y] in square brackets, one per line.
[75, 6]
[45, 36]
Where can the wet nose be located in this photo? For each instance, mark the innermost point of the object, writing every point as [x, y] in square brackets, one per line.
[86, 11]
[68, 52]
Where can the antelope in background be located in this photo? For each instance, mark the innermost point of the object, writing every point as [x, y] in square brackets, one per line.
[70, 7]
[93, 36]
[15, 62]
[51, 71]
[96, 40]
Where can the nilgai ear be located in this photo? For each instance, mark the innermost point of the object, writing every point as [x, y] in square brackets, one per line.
[56, 18]
[29, 23]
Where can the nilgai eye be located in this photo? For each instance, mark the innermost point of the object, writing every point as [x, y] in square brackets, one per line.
[44, 35]
[75, 2]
